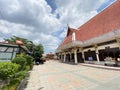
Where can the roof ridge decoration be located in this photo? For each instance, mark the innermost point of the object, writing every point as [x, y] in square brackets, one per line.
[70, 31]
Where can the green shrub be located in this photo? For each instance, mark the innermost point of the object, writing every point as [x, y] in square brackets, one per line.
[15, 81]
[13, 84]
[21, 74]
[21, 61]
[8, 70]
[8, 87]
[27, 68]
[29, 60]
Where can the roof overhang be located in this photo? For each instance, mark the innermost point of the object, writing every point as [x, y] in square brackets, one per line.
[14, 46]
[100, 39]
[8, 45]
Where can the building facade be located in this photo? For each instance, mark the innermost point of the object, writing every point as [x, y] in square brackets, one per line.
[9, 51]
[95, 40]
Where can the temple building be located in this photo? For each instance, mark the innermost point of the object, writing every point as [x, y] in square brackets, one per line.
[95, 40]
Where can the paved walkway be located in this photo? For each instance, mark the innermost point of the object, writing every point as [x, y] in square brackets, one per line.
[54, 75]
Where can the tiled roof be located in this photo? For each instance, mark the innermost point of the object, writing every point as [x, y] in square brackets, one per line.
[106, 21]
[14, 45]
[8, 44]
[67, 40]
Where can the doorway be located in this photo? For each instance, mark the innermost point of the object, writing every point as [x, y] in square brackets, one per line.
[80, 58]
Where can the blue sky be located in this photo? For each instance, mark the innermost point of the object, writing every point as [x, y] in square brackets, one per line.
[105, 4]
[45, 21]
[52, 4]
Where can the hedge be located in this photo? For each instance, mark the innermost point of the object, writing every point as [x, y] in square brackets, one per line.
[8, 70]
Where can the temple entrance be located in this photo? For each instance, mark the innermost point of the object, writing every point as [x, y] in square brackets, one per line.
[72, 57]
[102, 54]
[90, 56]
[79, 58]
[109, 52]
[67, 57]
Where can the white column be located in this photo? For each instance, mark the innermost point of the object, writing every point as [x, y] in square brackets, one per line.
[64, 57]
[75, 56]
[97, 55]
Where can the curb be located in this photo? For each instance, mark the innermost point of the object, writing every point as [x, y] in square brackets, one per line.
[23, 83]
[102, 67]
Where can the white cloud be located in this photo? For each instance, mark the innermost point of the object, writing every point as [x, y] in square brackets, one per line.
[48, 41]
[32, 19]
[64, 33]
[77, 12]
[15, 29]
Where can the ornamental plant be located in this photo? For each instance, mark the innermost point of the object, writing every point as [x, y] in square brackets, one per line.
[8, 70]
[29, 60]
[21, 61]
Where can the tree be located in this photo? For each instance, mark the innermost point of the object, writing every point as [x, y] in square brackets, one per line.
[38, 51]
[29, 44]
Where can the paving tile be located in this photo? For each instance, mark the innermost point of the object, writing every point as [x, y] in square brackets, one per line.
[60, 76]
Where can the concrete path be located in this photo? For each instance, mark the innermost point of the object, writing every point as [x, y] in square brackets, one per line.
[54, 75]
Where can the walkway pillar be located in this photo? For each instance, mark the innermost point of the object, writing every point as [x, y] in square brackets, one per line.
[98, 60]
[96, 51]
[83, 56]
[75, 56]
[64, 57]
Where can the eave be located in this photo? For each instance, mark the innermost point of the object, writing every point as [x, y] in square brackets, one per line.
[100, 39]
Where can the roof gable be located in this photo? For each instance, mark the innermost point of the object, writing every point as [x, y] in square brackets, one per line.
[68, 37]
[70, 31]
